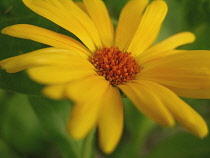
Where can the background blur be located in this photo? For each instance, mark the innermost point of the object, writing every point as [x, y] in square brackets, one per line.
[32, 126]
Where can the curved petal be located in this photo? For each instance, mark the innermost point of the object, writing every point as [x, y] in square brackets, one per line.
[155, 56]
[87, 93]
[171, 43]
[129, 20]
[69, 16]
[56, 92]
[100, 16]
[147, 30]
[45, 36]
[147, 102]
[59, 74]
[182, 112]
[187, 70]
[110, 124]
[44, 57]
[191, 93]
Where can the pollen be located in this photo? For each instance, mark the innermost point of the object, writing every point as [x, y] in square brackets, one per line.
[116, 66]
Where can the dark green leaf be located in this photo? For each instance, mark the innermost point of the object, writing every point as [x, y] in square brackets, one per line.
[19, 82]
[6, 151]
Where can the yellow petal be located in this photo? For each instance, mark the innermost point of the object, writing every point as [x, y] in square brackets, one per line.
[182, 112]
[45, 36]
[43, 57]
[147, 102]
[58, 74]
[141, 60]
[69, 16]
[110, 123]
[129, 20]
[55, 91]
[171, 43]
[147, 30]
[82, 6]
[191, 93]
[87, 93]
[100, 16]
[188, 70]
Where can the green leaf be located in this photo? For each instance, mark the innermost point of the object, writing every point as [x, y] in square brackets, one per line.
[173, 21]
[115, 7]
[195, 18]
[182, 146]
[196, 12]
[20, 127]
[19, 82]
[54, 115]
[6, 151]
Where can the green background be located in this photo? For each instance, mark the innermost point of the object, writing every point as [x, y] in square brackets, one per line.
[32, 126]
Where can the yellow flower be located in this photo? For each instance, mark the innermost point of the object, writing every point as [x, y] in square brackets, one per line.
[93, 72]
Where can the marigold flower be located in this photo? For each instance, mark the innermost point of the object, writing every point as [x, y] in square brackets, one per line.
[93, 72]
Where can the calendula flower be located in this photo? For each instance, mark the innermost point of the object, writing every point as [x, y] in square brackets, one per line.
[106, 61]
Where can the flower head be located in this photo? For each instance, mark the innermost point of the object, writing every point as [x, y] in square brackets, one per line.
[116, 66]
[91, 73]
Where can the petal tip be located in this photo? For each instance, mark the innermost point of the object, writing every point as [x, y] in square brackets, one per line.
[192, 36]
[202, 133]
[161, 2]
[169, 123]
[162, 5]
[3, 31]
[107, 150]
[75, 134]
[53, 92]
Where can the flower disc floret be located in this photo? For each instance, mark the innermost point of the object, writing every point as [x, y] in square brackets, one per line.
[116, 66]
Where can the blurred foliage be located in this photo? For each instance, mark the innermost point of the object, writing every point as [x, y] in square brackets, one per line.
[32, 126]
[182, 145]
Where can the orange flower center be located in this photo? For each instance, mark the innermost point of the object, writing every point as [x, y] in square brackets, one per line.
[116, 66]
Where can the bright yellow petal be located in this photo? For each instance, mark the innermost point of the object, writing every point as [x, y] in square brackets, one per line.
[188, 70]
[110, 123]
[69, 16]
[87, 94]
[59, 74]
[166, 47]
[147, 30]
[45, 36]
[44, 57]
[182, 112]
[129, 20]
[147, 102]
[56, 92]
[171, 43]
[100, 16]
